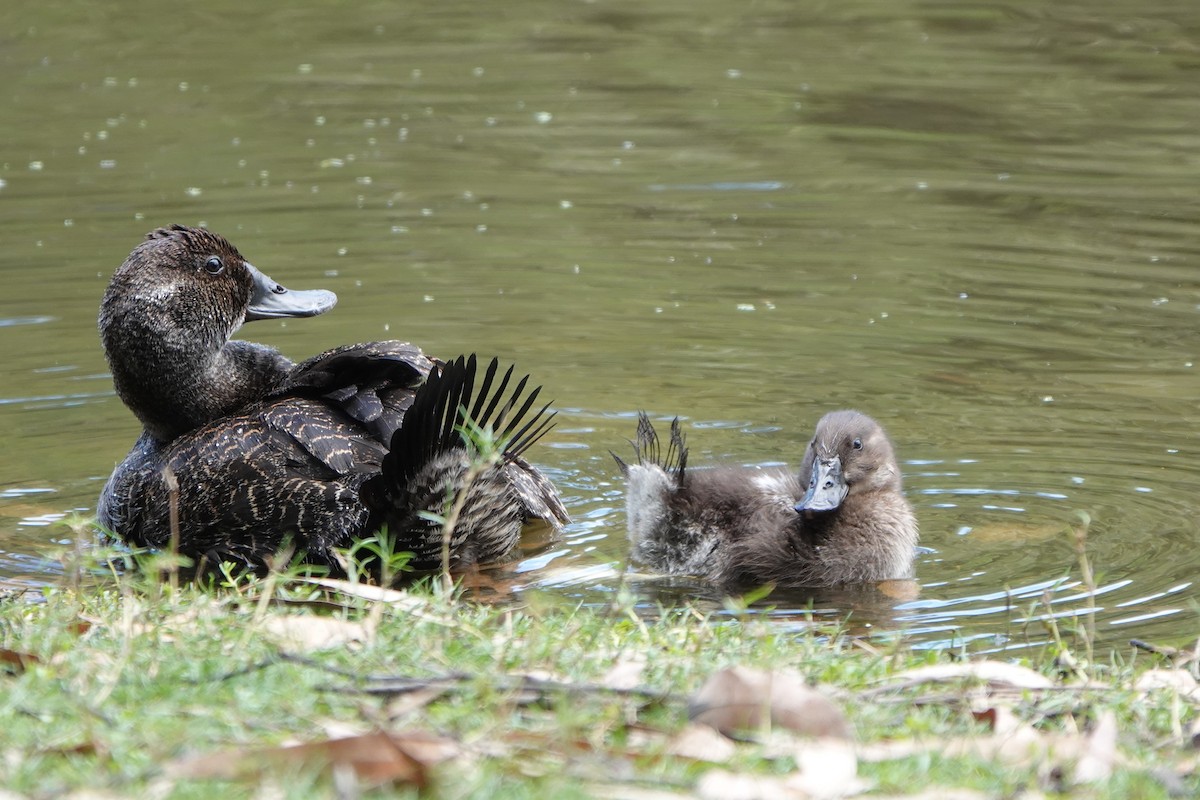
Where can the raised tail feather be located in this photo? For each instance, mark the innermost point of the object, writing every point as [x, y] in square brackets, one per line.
[435, 423]
[648, 451]
[431, 453]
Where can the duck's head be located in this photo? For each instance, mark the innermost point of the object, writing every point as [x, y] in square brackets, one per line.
[202, 284]
[167, 315]
[849, 455]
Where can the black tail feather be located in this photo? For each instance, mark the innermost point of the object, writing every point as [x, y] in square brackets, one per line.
[488, 377]
[525, 438]
[433, 424]
[496, 397]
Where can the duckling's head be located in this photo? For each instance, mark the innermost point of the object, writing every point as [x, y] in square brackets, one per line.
[165, 319]
[849, 455]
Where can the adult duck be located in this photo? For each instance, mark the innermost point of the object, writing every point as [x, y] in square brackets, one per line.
[842, 519]
[243, 451]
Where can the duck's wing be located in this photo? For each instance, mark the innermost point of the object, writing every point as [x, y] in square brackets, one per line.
[372, 382]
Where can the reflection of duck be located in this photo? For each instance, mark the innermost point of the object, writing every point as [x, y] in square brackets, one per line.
[242, 449]
[842, 520]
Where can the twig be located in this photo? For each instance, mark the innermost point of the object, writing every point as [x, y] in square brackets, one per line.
[169, 478]
[401, 684]
[992, 688]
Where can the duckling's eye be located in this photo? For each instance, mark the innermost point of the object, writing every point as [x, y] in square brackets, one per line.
[214, 266]
[856, 444]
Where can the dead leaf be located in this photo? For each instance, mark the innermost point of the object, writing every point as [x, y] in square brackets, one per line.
[1013, 740]
[902, 590]
[625, 674]
[80, 626]
[944, 793]
[718, 784]
[17, 662]
[365, 591]
[991, 672]
[81, 749]
[1179, 680]
[627, 792]
[376, 759]
[163, 629]
[744, 699]
[894, 750]
[404, 704]
[307, 633]
[1016, 533]
[1099, 756]
[701, 743]
[827, 768]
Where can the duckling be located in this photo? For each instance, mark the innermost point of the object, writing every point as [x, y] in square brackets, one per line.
[841, 520]
[242, 450]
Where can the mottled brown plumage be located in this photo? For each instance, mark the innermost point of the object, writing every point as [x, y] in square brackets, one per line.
[262, 450]
[842, 520]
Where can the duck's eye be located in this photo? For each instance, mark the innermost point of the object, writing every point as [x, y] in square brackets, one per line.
[214, 265]
[856, 444]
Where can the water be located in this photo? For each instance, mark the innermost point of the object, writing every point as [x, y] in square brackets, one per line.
[977, 224]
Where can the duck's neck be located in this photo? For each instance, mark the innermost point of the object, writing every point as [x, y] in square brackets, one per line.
[175, 385]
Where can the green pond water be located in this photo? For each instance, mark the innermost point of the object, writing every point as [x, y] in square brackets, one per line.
[976, 222]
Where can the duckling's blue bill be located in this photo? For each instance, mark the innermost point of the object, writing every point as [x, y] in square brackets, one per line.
[827, 488]
[271, 300]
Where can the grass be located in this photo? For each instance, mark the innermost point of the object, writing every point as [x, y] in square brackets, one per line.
[111, 688]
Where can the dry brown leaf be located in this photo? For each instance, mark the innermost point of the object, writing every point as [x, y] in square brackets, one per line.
[1099, 755]
[1179, 680]
[80, 626]
[744, 699]
[827, 768]
[1016, 532]
[992, 672]
[627, 792]
[375, 758]
[17, 662]
[902, 590]
[364, 591]
[943, 793]
[718, 784]
[181, 621]
[701, 743]
[306, 633]
[625, 674]
[895, 750]
[1013, 740]
[404, 704]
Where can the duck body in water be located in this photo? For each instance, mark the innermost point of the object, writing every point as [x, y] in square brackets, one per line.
[243, 451]
[842, 519]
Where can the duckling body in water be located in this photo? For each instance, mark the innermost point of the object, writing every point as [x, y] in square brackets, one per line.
[242, 450]
[842, 519]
